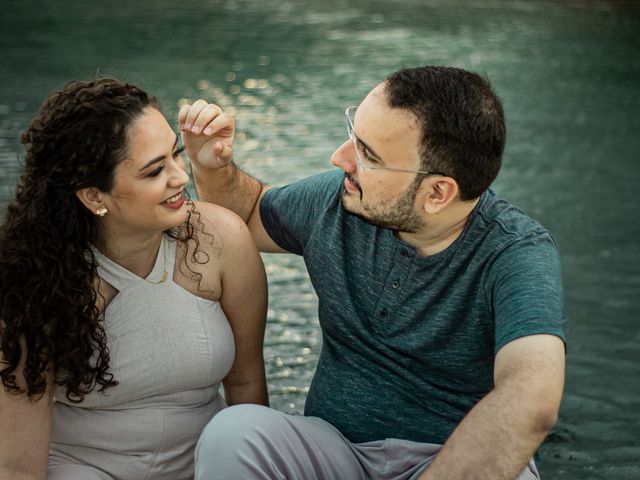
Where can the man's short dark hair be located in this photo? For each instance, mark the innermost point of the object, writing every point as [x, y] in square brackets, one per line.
[461, 120]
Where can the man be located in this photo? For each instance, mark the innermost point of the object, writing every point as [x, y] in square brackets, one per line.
[440, 304]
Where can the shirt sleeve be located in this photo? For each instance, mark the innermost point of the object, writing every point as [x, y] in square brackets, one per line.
[290, 214]
[527, 296]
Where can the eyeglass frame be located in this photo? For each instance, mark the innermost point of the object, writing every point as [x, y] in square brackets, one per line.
[360, 162]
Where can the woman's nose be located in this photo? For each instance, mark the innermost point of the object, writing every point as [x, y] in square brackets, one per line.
[179, 176]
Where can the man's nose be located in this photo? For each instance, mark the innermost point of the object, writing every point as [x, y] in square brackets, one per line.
[344, 157]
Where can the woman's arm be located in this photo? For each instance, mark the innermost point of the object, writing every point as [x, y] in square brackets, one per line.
[244, 301]
[25, 426]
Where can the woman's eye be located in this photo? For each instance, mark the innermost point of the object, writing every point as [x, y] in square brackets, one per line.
[178, 151]
[156, 172]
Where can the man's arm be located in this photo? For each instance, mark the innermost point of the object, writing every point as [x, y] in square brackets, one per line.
[207, 134]
[502, 432]
[228, 187]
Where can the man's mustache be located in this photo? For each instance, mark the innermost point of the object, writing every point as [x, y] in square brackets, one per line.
[355, 182]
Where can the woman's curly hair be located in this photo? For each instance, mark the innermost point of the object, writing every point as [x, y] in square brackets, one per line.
[48, 303]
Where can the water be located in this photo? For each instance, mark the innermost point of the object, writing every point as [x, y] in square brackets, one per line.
[569, 75]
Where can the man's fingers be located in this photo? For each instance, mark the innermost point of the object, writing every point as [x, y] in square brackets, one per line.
[222, 124]
[207, 133]
[205, 117]
[223, 151]
[182, 115]
[192, 113]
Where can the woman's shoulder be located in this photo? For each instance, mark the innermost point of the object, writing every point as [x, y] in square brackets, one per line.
[221, 219]
[220, 227]
[217, 242]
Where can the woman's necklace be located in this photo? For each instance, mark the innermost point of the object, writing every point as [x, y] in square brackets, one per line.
[165, 274]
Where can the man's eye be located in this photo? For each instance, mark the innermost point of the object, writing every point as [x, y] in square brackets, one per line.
[369, 157]
[362, 149]
[366, 154]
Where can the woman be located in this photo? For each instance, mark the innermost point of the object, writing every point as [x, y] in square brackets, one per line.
[122, 300]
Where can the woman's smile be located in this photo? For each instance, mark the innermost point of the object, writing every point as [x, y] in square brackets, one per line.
[176, 201]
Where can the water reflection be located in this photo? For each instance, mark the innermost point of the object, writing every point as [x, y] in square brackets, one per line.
[568, 73]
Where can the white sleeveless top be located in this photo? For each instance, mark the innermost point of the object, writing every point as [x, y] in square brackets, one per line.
[169, 352]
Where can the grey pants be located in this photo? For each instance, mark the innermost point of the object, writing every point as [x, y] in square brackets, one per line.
[255, 442]
[76, 472]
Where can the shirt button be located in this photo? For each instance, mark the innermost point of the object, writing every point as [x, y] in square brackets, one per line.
[404, 253]
[395, 284]
[383, 312]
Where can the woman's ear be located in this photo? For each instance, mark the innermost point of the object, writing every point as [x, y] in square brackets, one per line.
[92, 198]
[441, 191]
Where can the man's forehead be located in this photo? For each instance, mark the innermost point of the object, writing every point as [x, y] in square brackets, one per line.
[390, 121]
[375, 96]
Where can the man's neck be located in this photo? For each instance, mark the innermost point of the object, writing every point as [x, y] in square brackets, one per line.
[441, 229]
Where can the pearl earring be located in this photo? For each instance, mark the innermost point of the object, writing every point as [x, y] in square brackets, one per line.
[102, 211]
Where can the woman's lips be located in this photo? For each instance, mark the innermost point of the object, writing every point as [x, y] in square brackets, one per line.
[174, 202]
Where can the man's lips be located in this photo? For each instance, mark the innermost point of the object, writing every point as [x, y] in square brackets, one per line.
[351, 184]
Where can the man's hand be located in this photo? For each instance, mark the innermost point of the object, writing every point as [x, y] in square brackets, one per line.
[207, 134]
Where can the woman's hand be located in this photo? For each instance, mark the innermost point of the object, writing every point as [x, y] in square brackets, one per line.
[207, 134]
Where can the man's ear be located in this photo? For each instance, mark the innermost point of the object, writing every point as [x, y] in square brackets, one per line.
[92, 198]
[441, 191]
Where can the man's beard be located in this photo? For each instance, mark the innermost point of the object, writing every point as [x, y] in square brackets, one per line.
[400, 216]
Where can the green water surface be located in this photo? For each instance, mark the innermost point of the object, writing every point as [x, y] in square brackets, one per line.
[567, 71]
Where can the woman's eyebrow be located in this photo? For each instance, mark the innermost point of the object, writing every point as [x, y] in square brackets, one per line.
[160, 158]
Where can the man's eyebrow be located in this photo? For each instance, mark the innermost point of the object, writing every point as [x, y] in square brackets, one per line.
[159, 158]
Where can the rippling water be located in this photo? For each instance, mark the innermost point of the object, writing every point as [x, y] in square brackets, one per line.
[569, 75]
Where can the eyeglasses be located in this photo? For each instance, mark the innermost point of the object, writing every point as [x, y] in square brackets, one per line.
[365, 159]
